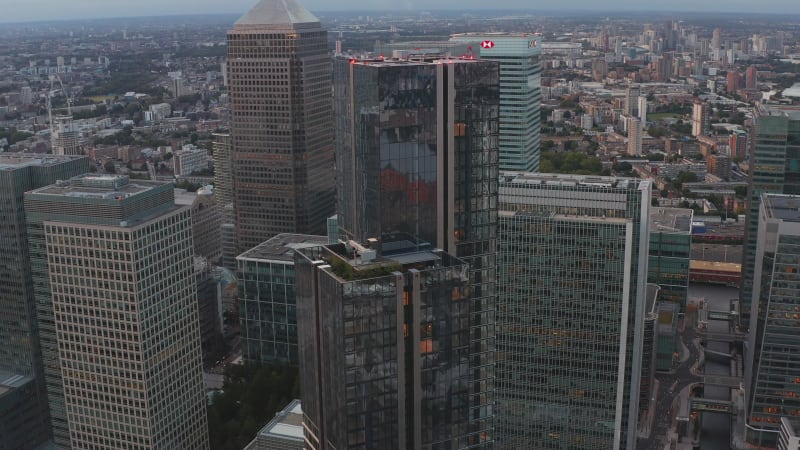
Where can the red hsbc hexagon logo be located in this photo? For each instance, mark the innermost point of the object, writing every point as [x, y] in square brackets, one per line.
[487, 44]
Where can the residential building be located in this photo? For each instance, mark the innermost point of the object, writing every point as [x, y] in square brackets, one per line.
[775, 159]
[189, 160]
[520, 59]
[20, 352]
[282, 141]
[772, 369]
[635, 132]
[284, 432]
[385, 344]
[700, 119]
[571, 307]
[267, 306]
[112, 265]
[738, 145]
[669, 253]
[631, 106]
[418, 142]
[719, 166]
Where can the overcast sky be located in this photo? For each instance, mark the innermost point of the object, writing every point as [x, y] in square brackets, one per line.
[27, 10]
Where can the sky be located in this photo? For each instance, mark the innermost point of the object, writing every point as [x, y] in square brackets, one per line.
[29, 10]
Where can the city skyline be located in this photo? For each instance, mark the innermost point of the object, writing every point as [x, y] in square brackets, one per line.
[52, 10]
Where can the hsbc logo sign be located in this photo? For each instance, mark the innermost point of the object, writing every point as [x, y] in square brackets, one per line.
[533, 44]
[487, 44]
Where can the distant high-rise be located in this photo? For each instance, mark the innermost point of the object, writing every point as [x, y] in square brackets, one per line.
[774, 151]
[279, 82]
[642, 101]
[417, 146]
[20, 353]
[632, 94]
[772, 371]
[520, 58]
[715, 38]
[700, 119]
[635, 132]
[572, 273]
[751, 77]
[64, 136]
[112, 264]
[738, 144]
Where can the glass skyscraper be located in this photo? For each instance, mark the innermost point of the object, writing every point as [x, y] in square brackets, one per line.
[281, 139]
[772, 374]
[113, 270]
[571, 307]
[20, 353]
[385, 345]
[416, 149]
[267, 307]
[670, 253]
[774, 169]
[520, 59]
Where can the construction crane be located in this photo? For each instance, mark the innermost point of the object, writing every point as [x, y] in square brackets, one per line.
[51, 92]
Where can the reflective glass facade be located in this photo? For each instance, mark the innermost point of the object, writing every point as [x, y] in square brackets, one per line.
[670, 253]
[570, 326]
[386, 350]
[417, 166]
[20, 353]
[267, 307]
[773, 373]
[774, 169]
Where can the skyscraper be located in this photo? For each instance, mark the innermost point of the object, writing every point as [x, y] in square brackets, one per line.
[112, 263]
[279, 82]
[700, 118]
[669, 253]
[64, 136]
[19, 340]
[632, 94]
[417, 169]
[520, 59]
[635, 136]
[775, 157]
[572, 285]
[772, 371]
[385, 345]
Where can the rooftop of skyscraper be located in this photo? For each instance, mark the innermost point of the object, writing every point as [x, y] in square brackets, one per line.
[784, 207]
[13, 161]
[677, 220]
[568, 180]
[116, 187]
[276, 12]
[790, 111]
[282, 247]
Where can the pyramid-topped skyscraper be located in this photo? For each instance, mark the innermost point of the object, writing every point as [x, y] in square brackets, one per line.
[279, 81]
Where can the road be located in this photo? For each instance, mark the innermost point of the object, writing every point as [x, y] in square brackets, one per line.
[670, 384]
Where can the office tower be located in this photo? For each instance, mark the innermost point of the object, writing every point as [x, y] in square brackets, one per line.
[64, 138]
[774, 150]
[267, 306]
[117, 308]
[789, 438]
[700, 119]
[772, 371]
[206, 222]
[284, 432]
[572, 273]
[632, 94]
[649, 348]
[634, 136]
[417, 156]
[385, 344]
[670, 253]
[223, 191]
[520, 59]
[279, 82]
[23, 404]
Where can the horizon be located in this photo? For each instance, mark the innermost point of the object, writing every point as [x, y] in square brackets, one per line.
[177, 8]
